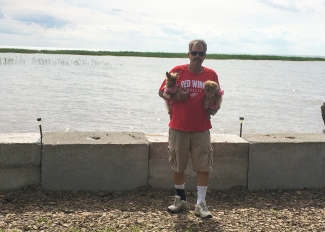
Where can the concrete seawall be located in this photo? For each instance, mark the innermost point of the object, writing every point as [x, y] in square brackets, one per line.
[104, 161]
[286, 161]
[20, 160]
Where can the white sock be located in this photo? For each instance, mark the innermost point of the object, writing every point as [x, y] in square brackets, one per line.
[181, 186]
[201, 193]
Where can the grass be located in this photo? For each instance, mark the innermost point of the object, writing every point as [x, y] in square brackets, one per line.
[42, 220]
[161, 54]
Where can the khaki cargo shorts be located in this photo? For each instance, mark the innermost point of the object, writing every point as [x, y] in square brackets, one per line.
[196, 145]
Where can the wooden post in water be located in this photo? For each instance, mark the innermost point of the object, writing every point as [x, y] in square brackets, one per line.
[323, 111]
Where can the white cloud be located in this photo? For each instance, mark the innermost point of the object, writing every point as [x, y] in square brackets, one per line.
[251, 26]
[43, 20]
[295, 5]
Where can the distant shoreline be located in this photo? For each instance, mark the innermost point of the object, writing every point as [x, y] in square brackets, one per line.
[161, 54]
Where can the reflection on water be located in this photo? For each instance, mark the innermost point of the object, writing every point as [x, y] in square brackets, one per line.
[106, 93]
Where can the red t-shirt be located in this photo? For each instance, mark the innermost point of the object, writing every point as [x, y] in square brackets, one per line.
[190, 115]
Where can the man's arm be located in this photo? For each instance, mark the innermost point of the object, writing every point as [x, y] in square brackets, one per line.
[161, 94]
[181, 95]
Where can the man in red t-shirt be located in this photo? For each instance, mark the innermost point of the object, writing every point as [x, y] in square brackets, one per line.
[189, 125]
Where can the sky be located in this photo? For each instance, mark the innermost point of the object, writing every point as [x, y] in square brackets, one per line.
[271, 27]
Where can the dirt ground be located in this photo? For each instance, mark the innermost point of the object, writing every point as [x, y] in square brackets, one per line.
[144, 209]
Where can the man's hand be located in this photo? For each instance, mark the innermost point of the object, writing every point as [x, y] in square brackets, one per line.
[213, 112]
[182, 94]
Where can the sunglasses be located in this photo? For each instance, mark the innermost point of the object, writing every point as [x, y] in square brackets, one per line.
[194, 53]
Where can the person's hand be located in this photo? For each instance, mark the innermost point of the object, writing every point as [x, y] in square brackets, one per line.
[213, 112]
[183, 94]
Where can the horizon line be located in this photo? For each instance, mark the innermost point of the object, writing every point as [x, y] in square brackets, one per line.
[103, 50]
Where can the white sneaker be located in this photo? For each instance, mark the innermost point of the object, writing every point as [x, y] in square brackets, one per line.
[178, 205]
[202, 210]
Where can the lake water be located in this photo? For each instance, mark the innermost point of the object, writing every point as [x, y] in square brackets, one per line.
[92, 93]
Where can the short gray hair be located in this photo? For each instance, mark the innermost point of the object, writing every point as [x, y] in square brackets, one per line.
[197, 41]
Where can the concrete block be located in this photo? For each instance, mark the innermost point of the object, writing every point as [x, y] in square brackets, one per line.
[286, 161]
[230, 154]
[20, 158]
[20, 149]
[160, 174]
[100, 161]
[17, 178]
[230, 161]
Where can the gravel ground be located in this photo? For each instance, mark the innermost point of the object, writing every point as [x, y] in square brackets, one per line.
[144, 209]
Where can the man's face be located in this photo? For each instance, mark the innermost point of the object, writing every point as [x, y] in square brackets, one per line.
[196, 59]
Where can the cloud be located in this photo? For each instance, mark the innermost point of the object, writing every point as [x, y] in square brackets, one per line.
[9, 31]
[114, 11]
[254, 26]
[288, 7]
[43, 20]
[292, 5]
